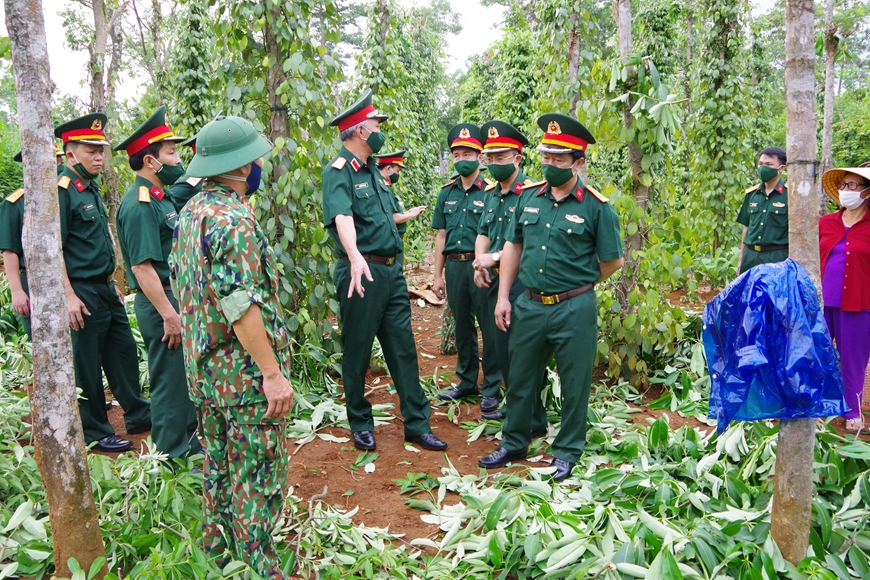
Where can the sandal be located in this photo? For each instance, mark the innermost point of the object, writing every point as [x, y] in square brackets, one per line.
[853, 426]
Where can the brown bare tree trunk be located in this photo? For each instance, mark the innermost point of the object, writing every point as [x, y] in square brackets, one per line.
[57, 431]
[622, 16]
[383, 10]
[278, 122]
[831, 45]
[793, 484]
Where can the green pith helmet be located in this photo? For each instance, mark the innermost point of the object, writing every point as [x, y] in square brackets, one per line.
[464, 135]
[500, 136]
[563, 134]
[154, 130]
[226, 144]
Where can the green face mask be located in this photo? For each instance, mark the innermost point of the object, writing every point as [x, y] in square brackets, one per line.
[557, 176]
[502, 172]
[766, 173]
[466, 168]
[169, 174]
[394, 178]
[375, 140]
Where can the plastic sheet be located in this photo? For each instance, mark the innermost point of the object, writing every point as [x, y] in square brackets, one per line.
[768, 349]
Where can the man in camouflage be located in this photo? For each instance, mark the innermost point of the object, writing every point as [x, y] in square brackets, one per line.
[236, 346]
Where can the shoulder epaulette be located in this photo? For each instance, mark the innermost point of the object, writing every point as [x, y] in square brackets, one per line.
[597, 194]
[490, 186]
[15, 195]
[449, 184]
[193, 181]
[339, 163]
[528, 182]
[534, 184]
[753, 188]
[63, 182]
[144, 194]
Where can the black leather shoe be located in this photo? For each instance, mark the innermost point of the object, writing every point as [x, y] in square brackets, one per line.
[541, 433]
[494, 416]
[427, 441]
[138, 430]
[488, 404]
[563, 469]
[455, 395]
[501, 457]
[364, 440]
[113, 444]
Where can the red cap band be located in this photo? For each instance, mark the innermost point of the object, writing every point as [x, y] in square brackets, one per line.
[152, 136]
[391, 161]
[467, 142]
[501, 141]
[356, 118]
[565, 140]
[83, 135]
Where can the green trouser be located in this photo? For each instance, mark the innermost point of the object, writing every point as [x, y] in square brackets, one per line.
[468, 302]
[173, 417]
[385, 312]
[244, 473]
[569, 330]
[752, 258]
[106, 341]
[501, 343]
[24, 321]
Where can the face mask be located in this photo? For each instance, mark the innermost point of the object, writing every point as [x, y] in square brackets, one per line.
[254, 178]
[80, 169]
[169, 174]
[765, 173]
[557, 176]
[502, 172]
[394, 178]
[851, 199]
[466, 168]
[375, 140]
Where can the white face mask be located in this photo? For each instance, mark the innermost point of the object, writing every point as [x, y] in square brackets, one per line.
[851, 199]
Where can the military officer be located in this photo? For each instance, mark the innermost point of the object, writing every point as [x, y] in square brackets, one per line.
[236, 346]
[503, 154]
[764, 214]
[101, 335]
[186, 186]
[563, 239]
[11, 227]
[146, 219]
[372, 292]
[457, 218]
[390, 165]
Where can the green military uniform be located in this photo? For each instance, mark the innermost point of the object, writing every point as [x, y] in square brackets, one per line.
[354, 187]
[105, 344]
[11, 226]
[766, 219]
[395, 158]
[221, 263]
[458, 212]
[146, 220]
[562, 243]
[499, 207]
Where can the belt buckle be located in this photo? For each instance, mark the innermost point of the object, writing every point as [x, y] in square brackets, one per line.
[756, 248]
[495, 271]
[549, 299]
[390, 261]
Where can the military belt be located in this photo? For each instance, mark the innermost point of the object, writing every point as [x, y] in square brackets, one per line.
[462, 257]
[560, 297]
[495, 270]
[104, 279]
[388, 260]
[768, 248]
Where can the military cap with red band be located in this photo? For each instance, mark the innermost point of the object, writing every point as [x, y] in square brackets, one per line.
[464, 135]
[154, 130]
[563, 134]
[501, 137]
[87, 130]
[57, 152]
[357, 113]
[395, 158]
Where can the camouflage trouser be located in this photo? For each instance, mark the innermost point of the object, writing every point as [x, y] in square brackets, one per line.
[245, 471]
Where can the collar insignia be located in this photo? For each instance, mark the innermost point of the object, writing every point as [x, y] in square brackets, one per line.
[156, 192]
[79, 185]
[355, 164]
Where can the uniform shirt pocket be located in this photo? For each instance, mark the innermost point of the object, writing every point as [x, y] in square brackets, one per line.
[88, 212]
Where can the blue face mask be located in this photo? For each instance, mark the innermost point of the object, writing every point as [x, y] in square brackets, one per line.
[253, 179]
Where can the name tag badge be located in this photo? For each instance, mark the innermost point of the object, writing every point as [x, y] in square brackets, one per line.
[362, 185]
[778, 204]
[576, 219]
[449, 203]
[171, 215]
[490, 210]
[89, 206]
[530, 210]
[753, 205]
[478, 203]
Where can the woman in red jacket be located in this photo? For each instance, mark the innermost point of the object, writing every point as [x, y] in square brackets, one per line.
[844, 251]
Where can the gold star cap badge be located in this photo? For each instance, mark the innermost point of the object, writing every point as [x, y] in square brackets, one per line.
[554, 128]
[97, 125]
[464, 133]
[493, 132]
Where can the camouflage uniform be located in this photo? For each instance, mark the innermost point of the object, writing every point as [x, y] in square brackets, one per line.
[222, 263]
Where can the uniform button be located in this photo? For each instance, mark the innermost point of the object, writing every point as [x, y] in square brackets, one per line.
[498, 237]
[501, 201]
[548, 225]
[543, 247]
[463, 209]
[499, 219]
[569, 230]
[460, 225]
[764, 211]
[541, 271]
[555, 205]
[526, 222]
[762, 223]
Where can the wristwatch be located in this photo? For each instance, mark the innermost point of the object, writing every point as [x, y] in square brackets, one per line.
[496, 256]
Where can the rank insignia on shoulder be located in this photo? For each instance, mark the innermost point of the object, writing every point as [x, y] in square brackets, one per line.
[531, 210]
[576, 219]
[339, 163]
[534, 184]
[193, 181]
[778, 204]
[478, 203]
[15, 195]
[598, 195]
[144, 194]
[490, 186]
[448, 184]
[63, 182]
[753, 188]
[528, 182]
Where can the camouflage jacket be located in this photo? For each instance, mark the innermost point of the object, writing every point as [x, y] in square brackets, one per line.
[221, 263]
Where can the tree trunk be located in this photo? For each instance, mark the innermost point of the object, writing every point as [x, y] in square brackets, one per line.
[793, 484]
[622, 15]
[275, 77]
[831, 45]
[57, 430]
[383, 11]
[687, 79]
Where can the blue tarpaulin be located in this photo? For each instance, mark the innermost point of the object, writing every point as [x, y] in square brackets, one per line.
[768, 349]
